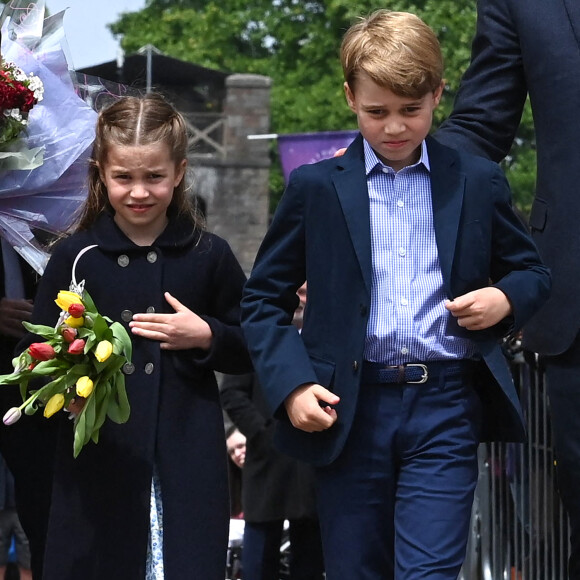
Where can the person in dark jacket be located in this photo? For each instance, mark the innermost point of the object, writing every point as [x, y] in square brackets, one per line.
[275, 487]
[150, 500]
[523, 49]
[27, 447]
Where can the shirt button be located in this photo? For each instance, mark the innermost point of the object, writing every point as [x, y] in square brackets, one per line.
[123, 260]
[128, 368]
[404, 301]
[152, 257]
[126, 316]
[149, 368]
[150, 309]
[402, 251]
[400, 203]
[404, 350]
[385, 169]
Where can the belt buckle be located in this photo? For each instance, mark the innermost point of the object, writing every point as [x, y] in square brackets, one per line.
[425, 376]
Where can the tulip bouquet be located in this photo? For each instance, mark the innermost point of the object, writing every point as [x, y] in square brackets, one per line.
[82, 356]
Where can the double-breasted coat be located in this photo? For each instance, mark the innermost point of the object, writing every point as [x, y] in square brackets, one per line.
[99, 515]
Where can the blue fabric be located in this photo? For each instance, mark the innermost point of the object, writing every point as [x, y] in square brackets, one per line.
[408, 318]
[405, 478]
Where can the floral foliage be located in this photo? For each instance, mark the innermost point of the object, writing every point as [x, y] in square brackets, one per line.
[19, 92]
[82, 358]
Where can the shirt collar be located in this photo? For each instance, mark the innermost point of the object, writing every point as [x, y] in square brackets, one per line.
[372, 161]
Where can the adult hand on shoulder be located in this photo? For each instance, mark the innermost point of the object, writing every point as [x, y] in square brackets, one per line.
[181, 330]
[12, 313]
[480, 309]
[309, 407]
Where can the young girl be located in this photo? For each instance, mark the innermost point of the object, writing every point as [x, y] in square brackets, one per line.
[150, 500]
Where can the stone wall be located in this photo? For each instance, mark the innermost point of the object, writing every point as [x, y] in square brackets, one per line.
[235, 185]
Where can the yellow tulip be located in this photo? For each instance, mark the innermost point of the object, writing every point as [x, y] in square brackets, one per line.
[84, 387]
[75, 322]
[55, 403]
[66, 298]
[103, 350]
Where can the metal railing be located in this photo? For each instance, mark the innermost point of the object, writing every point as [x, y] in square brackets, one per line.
[519, 529]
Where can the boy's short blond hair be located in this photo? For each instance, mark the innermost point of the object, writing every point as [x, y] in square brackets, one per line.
[396, 50]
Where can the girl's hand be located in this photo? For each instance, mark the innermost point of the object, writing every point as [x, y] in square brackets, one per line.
[179, 331]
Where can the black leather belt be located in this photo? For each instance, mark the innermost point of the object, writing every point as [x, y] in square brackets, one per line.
[412, 373]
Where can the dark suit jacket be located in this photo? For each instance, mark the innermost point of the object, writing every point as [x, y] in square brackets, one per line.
[321, 233]
[274, 486]
[521, 47]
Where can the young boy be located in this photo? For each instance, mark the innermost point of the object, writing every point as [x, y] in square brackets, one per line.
[416, 267]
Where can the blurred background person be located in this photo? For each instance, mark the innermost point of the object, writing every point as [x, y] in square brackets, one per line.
[275, 487]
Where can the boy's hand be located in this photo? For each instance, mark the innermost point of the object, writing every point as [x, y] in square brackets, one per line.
[181, 330]
[480, 309]
[309, 408]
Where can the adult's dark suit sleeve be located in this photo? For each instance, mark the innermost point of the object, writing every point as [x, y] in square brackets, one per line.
[236, 395]
[493, 90]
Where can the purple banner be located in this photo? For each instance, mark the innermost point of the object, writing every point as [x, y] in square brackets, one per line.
[304, 148]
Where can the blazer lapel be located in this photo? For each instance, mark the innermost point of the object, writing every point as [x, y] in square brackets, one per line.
[447, 190]
[351, 187]
[573, 9]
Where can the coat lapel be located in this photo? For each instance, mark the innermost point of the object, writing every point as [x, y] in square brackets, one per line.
[351, 187]
[573, 10]
[447, 190]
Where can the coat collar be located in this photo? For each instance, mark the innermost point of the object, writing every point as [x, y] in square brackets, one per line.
[179, 233]
[447, 188]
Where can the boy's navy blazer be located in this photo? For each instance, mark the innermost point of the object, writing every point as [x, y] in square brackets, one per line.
[321, 233]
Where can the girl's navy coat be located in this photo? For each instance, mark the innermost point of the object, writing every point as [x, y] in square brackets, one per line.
[99, 516]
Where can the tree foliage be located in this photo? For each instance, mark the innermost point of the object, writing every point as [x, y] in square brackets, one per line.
[296, 43]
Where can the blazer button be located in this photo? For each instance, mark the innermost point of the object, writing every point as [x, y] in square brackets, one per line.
[363, 310]
[150, 310]
[126, 316]
[123, 260]
[128, 368]
[152, 257]
[149, 368]
[355, 366]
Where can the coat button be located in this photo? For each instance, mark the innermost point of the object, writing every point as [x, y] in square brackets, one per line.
[149, 368]
[128, 368]
[152, 257]
[126, 316]
[363, 310]
[123, 260]
[355, 366]
[150, 309]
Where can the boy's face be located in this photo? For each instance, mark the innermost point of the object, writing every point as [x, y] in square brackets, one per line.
[394, 126]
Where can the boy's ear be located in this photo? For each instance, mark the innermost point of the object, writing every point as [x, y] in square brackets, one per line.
[349, 97]
[438, 93]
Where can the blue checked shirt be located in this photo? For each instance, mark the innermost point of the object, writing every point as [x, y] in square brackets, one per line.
[408, 319]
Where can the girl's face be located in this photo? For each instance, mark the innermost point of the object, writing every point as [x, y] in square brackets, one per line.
[140, 181]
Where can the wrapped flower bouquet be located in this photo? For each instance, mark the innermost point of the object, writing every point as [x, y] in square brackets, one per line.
[82, 358]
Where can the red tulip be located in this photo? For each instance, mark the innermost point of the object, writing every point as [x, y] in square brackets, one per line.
[69, 334]
[76, 310]
[41, 351]
[77, 346]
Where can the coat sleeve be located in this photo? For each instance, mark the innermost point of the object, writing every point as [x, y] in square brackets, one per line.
[269, 301]
[228, 352]
[492, 93]
[516, 267]
[236, 395]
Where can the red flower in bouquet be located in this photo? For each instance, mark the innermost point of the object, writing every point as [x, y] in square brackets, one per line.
[41, 351]
[19, 92]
